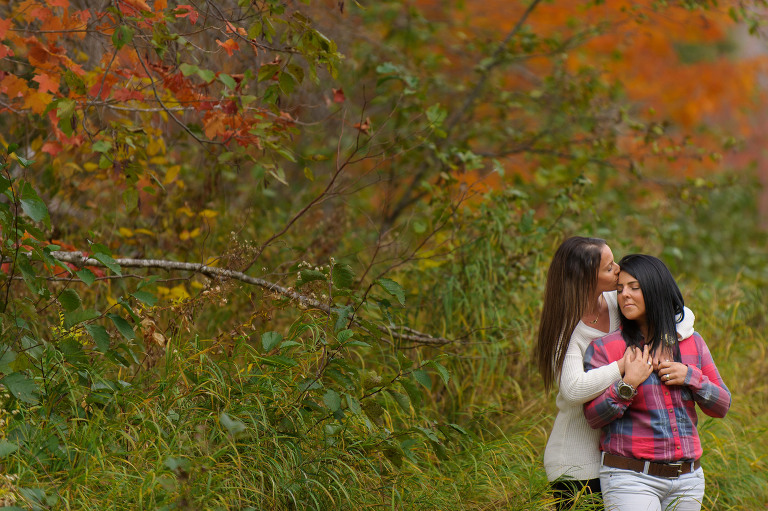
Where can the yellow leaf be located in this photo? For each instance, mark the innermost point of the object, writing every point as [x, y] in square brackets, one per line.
[185, 210]
[90, 166]
[208, 213]
[178, 293]
[144, 231]
[156, 145]
[171, 174]
[125, 233]
[197, 285]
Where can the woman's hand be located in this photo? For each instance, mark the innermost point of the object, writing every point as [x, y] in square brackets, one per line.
[623, 360]
[638, 366]
[672, 373]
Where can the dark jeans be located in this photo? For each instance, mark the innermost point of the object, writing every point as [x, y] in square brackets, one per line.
[566, 491]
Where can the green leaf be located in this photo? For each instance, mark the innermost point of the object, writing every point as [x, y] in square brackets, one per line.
[436, 115]
[207, 75]
[145, 297]
[269, 340]
[33, 206]
[7, 358]
[100, 337]
[442, 371]
[393, 288]
[108, 262]
[86, 276]
[332, 400]
[233, 426]
[401, 399]
[353, 405]
[309, 275]
[267, 71]
[188, 69]
[70, 300]
[343, 276]
[428, 433]
[102, 146]
[122, 326]
[121, 36]
[345, 335]
[422, 377]
[72, 351]
[130, 199]
[21, 387]
[73, 318]
[228, 81]
[7, 448]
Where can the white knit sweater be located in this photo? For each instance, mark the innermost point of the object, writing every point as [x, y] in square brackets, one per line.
[572, 450]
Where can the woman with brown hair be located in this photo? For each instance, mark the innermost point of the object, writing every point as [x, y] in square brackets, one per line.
[579, 307]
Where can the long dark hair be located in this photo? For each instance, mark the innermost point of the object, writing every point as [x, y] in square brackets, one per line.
[571, 282]
[663, 304]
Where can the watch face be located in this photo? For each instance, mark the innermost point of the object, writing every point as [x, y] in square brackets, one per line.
[626, 391]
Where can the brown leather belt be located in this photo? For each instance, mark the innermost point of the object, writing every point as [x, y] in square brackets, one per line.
[668, 470]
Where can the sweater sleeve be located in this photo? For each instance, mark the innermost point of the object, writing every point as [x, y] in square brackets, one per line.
[685, 325]
[607, 406]
[578, 386]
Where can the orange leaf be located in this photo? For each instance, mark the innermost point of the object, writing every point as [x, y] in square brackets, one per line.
[139, 5]
[37, 101]
[47, 84]
[13, 86]
[230, 46]
[214, 126]
[4, 26]
[59, 3]
[5, 51]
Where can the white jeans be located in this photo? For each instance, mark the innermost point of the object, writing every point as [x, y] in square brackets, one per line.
[627, 490]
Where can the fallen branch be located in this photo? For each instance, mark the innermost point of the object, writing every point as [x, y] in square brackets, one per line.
[398, 332]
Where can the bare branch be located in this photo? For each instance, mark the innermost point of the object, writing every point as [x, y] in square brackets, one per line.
[78, 259]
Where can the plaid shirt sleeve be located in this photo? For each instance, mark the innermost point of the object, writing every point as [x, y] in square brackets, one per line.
[704, 381]
[608, 406]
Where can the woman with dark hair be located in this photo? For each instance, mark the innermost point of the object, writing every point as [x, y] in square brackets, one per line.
[579, 306]
[649, 440]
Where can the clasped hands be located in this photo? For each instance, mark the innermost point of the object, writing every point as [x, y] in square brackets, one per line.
[639, 364]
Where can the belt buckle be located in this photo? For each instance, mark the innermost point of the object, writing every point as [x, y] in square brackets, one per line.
[678, 466]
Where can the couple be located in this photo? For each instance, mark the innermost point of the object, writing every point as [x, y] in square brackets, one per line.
[630, 368]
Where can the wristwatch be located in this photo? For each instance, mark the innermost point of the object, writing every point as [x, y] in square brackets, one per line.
[626, 391]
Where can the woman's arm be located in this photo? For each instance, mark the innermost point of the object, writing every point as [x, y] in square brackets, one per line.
[609, 406]
[578, 386]
[701, 376]
[708, 388]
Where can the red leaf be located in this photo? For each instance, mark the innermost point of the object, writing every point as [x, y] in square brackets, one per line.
[127, 95]
[59, 3]
[338, 96]
[191, 13]
[5, 51]
[52, 148]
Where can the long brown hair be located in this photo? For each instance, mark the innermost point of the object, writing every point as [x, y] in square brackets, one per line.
[571, 282]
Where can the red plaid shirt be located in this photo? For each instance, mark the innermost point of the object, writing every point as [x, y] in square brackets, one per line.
[659, 423]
